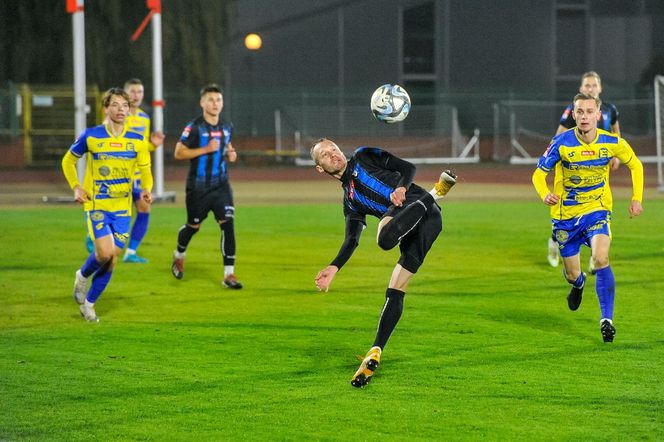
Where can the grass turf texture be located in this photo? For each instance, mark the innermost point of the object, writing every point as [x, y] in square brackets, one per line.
[486, 348]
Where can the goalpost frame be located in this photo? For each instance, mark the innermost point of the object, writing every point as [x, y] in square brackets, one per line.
[659, 80]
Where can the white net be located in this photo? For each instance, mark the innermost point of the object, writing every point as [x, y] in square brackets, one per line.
[526, 127]
[430, 134]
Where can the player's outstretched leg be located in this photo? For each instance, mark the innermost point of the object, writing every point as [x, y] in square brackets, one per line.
[576, 293]
[367, 368]
[444, 184]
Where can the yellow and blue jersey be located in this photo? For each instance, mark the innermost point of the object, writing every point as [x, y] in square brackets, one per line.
[110, 166]
[140, 122]
[583, 170]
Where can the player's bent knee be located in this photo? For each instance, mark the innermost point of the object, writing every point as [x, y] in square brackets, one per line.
[387, 240]
[600, 262]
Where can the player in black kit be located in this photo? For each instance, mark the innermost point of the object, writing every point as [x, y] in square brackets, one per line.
[377, 183]
[206, 143]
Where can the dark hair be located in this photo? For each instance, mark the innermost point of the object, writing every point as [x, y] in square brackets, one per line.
[132, 81]
[212, 87]
[106, 99]
[581, 96]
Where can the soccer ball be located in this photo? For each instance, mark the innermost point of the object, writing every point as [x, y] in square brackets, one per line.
[390, 103]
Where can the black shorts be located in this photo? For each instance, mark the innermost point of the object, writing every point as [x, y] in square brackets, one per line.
[218, 200]
[417, 243]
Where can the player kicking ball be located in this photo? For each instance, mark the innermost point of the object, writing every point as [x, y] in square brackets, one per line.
[380, 184]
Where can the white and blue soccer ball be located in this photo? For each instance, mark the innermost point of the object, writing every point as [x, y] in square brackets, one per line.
[390, 103]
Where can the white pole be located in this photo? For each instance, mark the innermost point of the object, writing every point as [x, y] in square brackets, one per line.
[158, 100]
[658, 130]
[78, 24]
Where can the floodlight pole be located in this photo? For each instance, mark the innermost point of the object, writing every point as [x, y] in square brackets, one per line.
[76, 8]
[154, 16]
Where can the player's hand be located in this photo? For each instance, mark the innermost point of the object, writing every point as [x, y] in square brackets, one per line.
[635, 208]
[398, 196]
[551, 199]
[80, 195]
[615, 164]
[146, 196]
[324, 278]
[212, 146]
[231, 154]
[157, 138]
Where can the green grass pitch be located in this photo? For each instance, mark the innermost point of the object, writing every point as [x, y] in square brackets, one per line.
[486, 348]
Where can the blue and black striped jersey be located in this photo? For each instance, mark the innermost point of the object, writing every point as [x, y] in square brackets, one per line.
[207, 171]
[370, 177]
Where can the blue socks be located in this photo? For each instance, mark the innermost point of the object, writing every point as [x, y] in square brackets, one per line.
[99, 283]
[580, 281]
[606, 291]
[139, 230]
[90, 266]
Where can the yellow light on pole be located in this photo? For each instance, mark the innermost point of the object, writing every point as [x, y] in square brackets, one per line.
[253, 42]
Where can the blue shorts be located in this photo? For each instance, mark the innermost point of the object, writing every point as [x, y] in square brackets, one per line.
[136, 189]
[101, 223]
[572, 233]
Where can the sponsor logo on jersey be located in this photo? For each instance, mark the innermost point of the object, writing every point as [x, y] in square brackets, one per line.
[116, 144]
[216, 133]
[587, 153]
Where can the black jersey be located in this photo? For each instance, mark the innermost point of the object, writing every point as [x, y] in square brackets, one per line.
[609, 117]
[207, 171]
[370, 177]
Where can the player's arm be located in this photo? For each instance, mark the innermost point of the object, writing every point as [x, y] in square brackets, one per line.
[69, 168]
[145, 166]
[155, 139]
[407, 172]
[542, 188]
[354, 228]
[183, 152]
[627, 156]
[231, 153]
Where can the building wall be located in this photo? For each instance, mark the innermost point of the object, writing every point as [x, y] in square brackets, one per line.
[494, 49]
